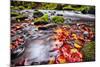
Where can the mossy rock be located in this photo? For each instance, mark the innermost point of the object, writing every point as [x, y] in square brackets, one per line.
[44, 18]
[16, 5]
[49, 6]
[67, 7]
[89, 51]
[37, 14]
[20, 18]
[58, 19]
[41, 20]
[21, 7]
[76, 6]
[40, 23]
[14, 8]
[14, 14]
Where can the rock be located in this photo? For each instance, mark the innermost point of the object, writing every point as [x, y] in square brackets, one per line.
[42, 28]
[37, 14]
[40, 23]
[47, 27]
[21, 18]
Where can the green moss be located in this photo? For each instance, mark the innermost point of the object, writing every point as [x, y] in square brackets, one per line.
[21, 7]
[15, 8]
[17, 5]
[67, 7]
[44, 18]
[57, 19]
[48, 6]
[89, 51]
[76, 7]
[14, 14]
[20, 16]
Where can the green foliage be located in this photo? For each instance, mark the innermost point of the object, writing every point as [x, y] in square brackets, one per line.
[19, 5]
[76, 7]
[67, 7]
[49, 6]
[57, 19]
[89, 51]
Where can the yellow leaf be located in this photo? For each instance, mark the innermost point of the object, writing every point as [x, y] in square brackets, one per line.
[73, 50]
[74, 35]
[77, 46]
